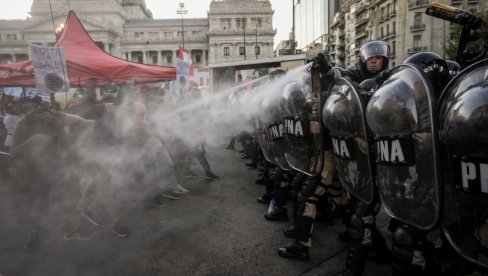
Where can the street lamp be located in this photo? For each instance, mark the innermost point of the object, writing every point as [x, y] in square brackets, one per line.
[181, 10]
[256, 47]
[244, 29]
[293, 27]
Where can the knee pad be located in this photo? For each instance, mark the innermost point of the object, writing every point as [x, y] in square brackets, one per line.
[356, 228]
[309, 187]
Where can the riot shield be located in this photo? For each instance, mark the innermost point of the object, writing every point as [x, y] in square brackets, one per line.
[302, 135]
[463, 139]
[274, 131]
[343, 115]
[400, 115]
[262, 133]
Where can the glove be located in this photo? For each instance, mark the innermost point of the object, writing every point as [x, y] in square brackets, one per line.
[321, 63]
[381, 77]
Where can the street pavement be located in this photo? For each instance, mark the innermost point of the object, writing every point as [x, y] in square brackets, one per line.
[217, 228]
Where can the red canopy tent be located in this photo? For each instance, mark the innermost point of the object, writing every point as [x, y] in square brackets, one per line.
[85, 61]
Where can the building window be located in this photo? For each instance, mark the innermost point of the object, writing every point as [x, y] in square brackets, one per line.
[259, 22]
[198, 58]
[416, 41]
[417, 21]
[155, 59]
[257, 50]
[241, 51]
[241, 23]
[225, 23]
[139, 34]
[169, 59]
[153, 35]
[226, 51]
[180, 34]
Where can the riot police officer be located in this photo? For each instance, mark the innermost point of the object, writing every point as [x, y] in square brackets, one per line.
[353, 151]
[402, 117]
[374, 59]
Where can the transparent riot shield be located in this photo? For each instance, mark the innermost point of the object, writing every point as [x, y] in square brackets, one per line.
[262, 133]
[463, 139]
[274, 131]
[344, 116]
[401, 117]
[303, 135]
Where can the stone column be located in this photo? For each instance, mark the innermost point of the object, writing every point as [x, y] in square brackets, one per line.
[160, 58]
[205, 58]
[144, 57]
[175, 56]
[130, 55]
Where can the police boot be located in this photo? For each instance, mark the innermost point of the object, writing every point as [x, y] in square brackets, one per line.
[357, 253]
[294, 250]
[265, 199]
[404, 240]
[278, 213]
[291, 231]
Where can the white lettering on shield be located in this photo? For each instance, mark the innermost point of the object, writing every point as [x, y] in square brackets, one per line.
[390, 152]
[340, 148]
[469, 173]
[298, 130]
[277, 131]
[289, 126]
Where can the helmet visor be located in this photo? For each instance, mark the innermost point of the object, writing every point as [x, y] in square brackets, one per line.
[374, 48]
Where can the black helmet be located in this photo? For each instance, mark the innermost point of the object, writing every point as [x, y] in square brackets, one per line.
[367, 87]
[374, 48]
[454, 68]
[293, 100]
[434, 66]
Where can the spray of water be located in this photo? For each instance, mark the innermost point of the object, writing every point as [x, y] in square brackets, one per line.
[126, 162]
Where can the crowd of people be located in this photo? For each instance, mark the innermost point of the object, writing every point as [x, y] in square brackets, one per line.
[109, 142]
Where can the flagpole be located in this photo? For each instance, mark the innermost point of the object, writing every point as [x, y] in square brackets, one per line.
[181, 10]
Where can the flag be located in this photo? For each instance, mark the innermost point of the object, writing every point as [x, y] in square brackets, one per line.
[186, 57]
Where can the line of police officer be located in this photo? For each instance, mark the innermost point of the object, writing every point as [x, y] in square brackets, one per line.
[385, 137]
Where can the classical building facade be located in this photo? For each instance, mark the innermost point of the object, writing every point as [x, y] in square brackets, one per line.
[402, 23]
[234, 30]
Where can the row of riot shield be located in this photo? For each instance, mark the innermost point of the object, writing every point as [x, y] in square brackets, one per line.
[426, 159]
[289, 130]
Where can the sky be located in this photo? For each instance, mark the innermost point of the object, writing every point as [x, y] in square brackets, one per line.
[282, 18]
